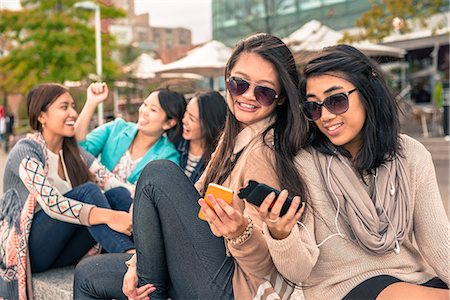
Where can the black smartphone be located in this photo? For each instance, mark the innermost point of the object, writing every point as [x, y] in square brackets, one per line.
[256, 192]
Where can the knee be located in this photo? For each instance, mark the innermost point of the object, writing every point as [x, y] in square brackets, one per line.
[117, 192]
[90, 187]
[159, 172]
[156, 167]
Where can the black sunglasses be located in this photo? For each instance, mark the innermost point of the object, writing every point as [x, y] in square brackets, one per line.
[264, 95]
[336, 104]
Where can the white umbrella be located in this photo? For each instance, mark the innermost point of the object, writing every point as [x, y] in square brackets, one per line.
[207, 60]
[143, 67]
[314, 36]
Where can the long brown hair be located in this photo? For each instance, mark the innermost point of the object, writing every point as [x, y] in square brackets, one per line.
[290, 127]
[38, 100]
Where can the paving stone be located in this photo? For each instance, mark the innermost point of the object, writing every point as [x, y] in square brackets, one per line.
[54, 284]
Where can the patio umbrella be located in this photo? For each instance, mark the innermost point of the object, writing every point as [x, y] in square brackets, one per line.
[208, 60]
[143, 67]
[314, 36]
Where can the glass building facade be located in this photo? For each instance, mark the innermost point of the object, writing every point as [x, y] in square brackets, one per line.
[235, 19]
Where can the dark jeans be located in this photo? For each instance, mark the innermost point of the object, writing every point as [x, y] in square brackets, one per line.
[372, 287]
[100, 277]
[176, 251]
[54, 243]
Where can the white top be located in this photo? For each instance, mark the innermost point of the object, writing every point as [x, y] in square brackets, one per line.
[125, 166]
[191, 163]
[63, 186]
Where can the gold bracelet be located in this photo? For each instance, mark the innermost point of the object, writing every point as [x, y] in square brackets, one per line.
[244, 236]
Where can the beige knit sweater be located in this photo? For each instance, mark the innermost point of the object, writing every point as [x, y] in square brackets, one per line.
[338, 265]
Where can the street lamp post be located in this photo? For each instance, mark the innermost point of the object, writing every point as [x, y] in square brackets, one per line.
[89, 5]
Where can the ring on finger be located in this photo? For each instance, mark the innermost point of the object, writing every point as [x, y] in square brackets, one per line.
[274, 220]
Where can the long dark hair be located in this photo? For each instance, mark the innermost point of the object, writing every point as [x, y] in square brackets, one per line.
[38, 100]
[290, 127]
[174, 105]
[380, 132]
[212, 110]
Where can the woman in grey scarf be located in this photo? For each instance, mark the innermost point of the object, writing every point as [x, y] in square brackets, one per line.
[377, 228]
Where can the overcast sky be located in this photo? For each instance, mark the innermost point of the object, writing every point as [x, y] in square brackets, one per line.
[192, 14]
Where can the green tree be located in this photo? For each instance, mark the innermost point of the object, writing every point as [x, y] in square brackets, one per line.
[52, 42]
[387, 16]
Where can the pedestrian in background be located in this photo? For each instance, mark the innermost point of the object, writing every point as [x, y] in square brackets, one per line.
[3, 136]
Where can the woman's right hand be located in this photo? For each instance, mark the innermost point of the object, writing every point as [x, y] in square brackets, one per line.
[280, 227]
[130, 289]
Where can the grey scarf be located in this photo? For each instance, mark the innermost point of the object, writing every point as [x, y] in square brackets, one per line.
[379, 222]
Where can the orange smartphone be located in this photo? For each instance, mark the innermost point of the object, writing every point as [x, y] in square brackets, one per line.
[217, 191]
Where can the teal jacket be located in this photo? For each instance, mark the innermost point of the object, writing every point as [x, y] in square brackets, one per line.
[112, 140]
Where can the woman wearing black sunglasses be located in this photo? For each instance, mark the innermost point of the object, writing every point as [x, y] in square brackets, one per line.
[379, 228]
[180, 256]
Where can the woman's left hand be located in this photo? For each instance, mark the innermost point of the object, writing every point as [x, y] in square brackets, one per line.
[223, 219]
[280, 227]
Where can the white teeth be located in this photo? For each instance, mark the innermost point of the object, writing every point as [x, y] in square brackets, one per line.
[143, 121]
[246, 105]
[70, 123]
[334, 127]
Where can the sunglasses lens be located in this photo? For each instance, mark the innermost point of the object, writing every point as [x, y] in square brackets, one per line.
[337, 104]
[237, 86]
[312, 110]
[264, 95]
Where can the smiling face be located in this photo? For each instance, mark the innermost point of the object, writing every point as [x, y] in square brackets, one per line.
[192, 130]
[343, 129]
[60, 117]
[258, 71]
[152, 117]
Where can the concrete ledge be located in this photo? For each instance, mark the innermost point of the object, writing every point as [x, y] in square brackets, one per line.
[54, 284]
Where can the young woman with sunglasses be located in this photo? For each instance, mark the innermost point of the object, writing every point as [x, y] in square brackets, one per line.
[203, 122]
[180, 256]
[379, 228]
[51, 188]
[126, 147]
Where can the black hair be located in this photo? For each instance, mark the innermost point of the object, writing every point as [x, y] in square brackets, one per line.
[380, 132]
[174, 105]
[212, 110]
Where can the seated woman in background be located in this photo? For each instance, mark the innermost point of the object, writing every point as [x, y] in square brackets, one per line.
[380, 230]
[203, 122]
[125, 147]
[50, 191]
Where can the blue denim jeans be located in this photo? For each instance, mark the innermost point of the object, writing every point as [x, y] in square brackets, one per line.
[54, 243]
[176, 251]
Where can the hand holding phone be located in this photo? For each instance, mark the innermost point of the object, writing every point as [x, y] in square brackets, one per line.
[256, 192]
[217, 191]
